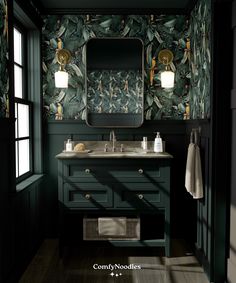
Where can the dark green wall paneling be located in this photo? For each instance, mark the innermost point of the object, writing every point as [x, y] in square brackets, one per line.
[5, 183]
[4, 79]
[20, 213]
[200, 63]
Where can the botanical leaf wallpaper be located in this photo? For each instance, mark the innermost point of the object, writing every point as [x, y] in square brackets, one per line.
[115, 91]
[200, 63]
[4, 78]
[175, 32]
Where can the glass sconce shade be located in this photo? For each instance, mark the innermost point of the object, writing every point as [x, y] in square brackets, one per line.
[167, 79]
[165, 57]
[61, 79]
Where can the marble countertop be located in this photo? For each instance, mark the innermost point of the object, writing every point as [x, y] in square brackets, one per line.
[131, 149]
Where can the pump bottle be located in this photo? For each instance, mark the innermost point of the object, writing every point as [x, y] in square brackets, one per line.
[69, 145]
[158, 145]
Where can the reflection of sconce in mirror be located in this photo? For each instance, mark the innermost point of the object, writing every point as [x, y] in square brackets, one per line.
[61, 77]
[165, 57]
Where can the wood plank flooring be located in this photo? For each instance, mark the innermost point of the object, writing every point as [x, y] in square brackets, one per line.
[77, 266]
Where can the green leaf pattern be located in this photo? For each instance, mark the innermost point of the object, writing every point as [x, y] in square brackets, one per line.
[115, 91]
[4, 77]
[192, 72]
[200, 31]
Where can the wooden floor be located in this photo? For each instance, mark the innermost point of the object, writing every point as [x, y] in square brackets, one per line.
[77, 266]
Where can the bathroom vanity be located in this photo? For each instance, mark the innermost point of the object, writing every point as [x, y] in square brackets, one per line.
[131, 184]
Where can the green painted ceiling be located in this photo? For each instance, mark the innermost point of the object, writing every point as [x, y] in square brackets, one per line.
[114, 4]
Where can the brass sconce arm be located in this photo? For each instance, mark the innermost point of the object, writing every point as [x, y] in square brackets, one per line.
[63, 57]
[165, 57]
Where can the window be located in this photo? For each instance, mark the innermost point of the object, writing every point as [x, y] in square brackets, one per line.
[26, 54]
[23, 107]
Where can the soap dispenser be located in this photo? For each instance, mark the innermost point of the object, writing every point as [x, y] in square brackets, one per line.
[158, 145]
[69, 145]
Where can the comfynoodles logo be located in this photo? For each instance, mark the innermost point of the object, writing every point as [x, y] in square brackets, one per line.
[116, 266]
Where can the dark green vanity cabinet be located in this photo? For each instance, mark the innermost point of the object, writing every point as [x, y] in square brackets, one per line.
[123, 187]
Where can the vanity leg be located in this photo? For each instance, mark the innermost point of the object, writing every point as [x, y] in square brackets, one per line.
[167, 233]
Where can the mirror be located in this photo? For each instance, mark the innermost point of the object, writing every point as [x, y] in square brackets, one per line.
[115, 83]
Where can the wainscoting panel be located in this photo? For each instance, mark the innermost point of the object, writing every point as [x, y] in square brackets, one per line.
[20, 213]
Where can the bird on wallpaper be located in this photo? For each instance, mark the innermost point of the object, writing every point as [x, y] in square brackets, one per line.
[187, 112]
[111, 88]
[152, 70]
[122, 24]
[125, 108]
[59, 114]
[100, 88]
[187, 51]
[7, 108]
[87, 18]
[126, 86]
[59, 44]
[151, 19]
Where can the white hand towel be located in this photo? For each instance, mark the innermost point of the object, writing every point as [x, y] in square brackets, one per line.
[112, 226]
[190, 168]
[198, 190]
[193, 175]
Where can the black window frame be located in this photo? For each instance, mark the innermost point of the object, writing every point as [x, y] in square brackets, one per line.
[24, 101]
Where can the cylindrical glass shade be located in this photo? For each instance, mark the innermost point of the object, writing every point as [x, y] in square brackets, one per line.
[167, 79]
[61, 79]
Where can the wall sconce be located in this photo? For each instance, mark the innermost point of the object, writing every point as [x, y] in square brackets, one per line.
[165, 57]
[61, 77]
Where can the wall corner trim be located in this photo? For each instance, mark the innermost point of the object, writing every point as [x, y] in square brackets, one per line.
[234, 14]
[233, 99]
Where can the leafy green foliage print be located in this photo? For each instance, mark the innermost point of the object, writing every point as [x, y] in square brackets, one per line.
[4, 81]
[187, 37]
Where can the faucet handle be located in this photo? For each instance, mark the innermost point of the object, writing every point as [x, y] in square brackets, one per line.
[105, 147]
[122, 148]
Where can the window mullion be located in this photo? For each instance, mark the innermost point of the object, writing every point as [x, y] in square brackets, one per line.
[17, 143]
[23, 132]
[19, 65]
[23, 138]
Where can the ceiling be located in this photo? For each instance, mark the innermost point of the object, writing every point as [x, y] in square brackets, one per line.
[76, 5]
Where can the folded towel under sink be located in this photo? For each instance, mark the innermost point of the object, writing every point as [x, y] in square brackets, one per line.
[112, 226]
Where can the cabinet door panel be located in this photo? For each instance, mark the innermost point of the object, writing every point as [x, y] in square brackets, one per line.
[143, 196]
[83, 171]
[143, 174]
[87, 195]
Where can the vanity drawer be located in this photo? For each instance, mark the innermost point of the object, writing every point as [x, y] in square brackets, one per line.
[83, 170]
[143, 170]
[143, 174]
[143, 196]
[94, 171]
[87, 195]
